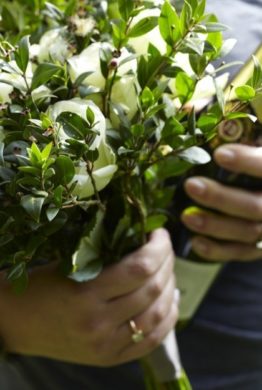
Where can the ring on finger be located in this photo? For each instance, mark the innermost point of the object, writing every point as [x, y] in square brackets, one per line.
[137, 334]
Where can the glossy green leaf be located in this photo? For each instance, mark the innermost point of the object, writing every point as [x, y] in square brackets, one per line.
[33, 206]
[65, 169]
[22, 53]
[43, 74]
[185, 87]
[73, 125]
[143, 26]
[195, 155]
[169, 24]
[245, 93]
[125, 8]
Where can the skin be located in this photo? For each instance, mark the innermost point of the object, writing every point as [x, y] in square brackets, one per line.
[88, 323]
[232, 231]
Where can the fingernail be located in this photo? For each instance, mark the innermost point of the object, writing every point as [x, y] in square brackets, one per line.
[194, 220]
[225, 155]
[195, 186]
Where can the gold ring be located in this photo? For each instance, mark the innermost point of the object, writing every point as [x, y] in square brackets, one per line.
[137, 334]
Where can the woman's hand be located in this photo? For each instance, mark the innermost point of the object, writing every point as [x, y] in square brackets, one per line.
[235, 231]
[88, 323]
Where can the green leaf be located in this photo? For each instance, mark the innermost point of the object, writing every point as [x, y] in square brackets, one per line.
[195, 155]
[207, 122]
[142, 27]
[198, 63]
[51, 212]
[35, 154]
[256, 80]
[43, 74]
[2, 146]
[46, 151]
[154, 222]
[5, 239]
[92, 155]
[58, 195]
[90, 116]
[237, 115]
[245, 93]
[22, 53]
[191, 123]
[81, 78]
[185, 17]
[33, 205]
[215, 27]
[65, 169]
[137, 130]
[125, 8]
[73, 125]
[171, 167]
[71, 7]
[169, 24]
[35, 171]
[147, 98]
[87, 261]
[199, 12]
[18, 277]
[185, 87]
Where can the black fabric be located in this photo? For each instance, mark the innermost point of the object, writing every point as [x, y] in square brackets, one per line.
[46, 374]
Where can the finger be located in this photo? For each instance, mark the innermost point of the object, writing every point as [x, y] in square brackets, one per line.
[240, 158]
[131, 305]
[228, 200]
[152, 340]
[225, 251]
[221, 226]
[135, 269]
[150, 318]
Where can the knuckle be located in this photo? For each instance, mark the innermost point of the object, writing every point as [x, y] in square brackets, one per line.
[158, 315]
[154, 339]
[255, 208]
[156, 288]
[142, 267]
[255, 232]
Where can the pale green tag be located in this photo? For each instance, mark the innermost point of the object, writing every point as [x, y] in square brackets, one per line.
[193, 280]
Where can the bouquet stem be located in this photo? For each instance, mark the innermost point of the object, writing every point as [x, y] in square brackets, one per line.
[162, 368]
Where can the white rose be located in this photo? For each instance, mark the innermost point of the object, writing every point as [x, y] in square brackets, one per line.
[104, 166]
[41, 93]
[79, 106]
[5, 91]
[124, 91]
[104, 169]
[52, 45]
[140, 44]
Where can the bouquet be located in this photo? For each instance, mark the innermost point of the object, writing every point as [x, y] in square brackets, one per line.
[99, 106]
